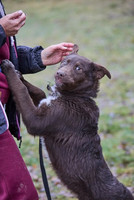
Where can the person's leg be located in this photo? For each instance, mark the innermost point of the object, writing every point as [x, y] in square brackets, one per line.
[15, 180]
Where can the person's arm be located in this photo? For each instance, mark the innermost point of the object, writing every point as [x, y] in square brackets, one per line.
[32, 60]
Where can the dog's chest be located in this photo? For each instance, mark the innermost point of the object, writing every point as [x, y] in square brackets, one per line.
[48, 100]
[53, 96]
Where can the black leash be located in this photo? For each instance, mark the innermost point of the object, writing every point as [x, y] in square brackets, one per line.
[43, 172]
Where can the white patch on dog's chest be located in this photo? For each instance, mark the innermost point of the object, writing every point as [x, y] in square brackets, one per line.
[50, 98]
[47, 100]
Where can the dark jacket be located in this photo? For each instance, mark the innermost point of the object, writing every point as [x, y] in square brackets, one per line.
[26, 60]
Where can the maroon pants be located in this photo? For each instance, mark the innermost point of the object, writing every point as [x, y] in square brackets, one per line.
[15, 181]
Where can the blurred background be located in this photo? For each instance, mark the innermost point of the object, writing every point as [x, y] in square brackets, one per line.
[104, 31]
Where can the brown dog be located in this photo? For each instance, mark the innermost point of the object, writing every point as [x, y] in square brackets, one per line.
[68, 122]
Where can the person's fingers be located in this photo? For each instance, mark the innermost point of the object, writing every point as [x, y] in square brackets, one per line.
[64, 46]
[65, 54]
[21, 19]
[22, 24]
[65, 49]
[15, 14]
[67, 44]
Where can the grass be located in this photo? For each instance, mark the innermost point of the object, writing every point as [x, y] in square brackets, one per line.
[103, 29]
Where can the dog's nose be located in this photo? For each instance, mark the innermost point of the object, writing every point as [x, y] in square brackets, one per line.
[60, 73]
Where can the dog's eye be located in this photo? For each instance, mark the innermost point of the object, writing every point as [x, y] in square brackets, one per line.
[77, 68]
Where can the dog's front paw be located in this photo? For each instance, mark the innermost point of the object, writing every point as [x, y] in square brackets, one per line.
[6, 65]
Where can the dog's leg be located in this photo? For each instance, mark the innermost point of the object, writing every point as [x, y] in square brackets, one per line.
[36, 93]
[32, 118]
[16, 86]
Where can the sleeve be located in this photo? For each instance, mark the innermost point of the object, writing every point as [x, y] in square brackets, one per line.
[2, 36]
[29, 59]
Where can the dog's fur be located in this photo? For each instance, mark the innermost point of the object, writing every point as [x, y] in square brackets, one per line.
[68, 122]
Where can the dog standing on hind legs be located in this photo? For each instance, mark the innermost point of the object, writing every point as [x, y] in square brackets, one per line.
[68, 122]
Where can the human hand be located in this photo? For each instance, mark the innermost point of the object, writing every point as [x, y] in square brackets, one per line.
[12, 23]
[55, 53]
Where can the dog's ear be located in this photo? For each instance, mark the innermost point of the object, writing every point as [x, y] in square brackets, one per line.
[100, 71]
[75, 49]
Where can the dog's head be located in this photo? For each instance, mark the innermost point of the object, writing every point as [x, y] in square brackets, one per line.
[79, 75]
